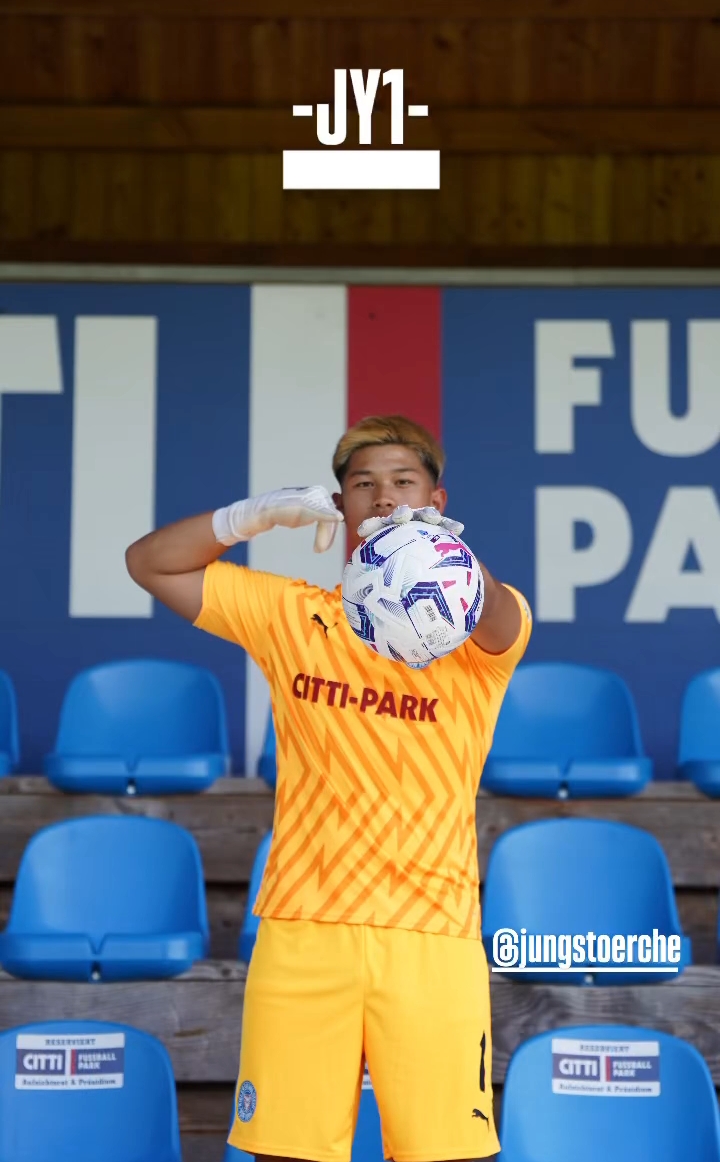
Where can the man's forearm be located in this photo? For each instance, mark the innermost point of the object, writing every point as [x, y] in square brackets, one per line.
[182, 547]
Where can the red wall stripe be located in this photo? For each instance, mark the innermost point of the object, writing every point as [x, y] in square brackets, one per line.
[394, 354]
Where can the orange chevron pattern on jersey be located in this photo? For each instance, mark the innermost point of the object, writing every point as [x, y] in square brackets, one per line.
[378, 765]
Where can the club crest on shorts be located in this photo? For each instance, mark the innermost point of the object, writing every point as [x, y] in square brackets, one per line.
[246, 1101]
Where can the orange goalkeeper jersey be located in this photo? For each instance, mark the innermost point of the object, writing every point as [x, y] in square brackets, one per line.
[378, 765]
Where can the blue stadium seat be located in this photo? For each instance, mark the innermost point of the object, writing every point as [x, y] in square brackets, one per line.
[136, 1121]
[250, 924]
[141, 727]
[107, 898]
[566, 731]
[9, 732]
[267, 763]
[367, 1143]
[699, 757]
[540, 1124]
[573, 876]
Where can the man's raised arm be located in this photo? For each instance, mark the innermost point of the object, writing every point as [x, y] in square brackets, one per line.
[170, 563]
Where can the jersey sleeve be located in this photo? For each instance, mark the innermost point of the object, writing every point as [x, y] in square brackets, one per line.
[238, 605]
[500, 667]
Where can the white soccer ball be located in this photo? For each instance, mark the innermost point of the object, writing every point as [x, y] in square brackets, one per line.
[413, 592]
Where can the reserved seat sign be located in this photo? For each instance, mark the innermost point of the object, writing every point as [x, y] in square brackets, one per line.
[606, 1068]
[63, 1061]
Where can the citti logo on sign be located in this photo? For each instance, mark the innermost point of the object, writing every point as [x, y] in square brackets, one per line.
[361, 169]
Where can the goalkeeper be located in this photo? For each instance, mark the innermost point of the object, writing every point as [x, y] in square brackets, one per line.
[370, 947]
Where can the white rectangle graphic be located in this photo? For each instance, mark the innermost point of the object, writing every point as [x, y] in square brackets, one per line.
[113, 469]
[606, 1068]
[361, 169]
[83, 1061]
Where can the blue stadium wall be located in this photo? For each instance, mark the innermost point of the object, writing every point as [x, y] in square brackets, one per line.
[581, 425]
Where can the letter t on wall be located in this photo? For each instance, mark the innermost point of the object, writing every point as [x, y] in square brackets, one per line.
[29, 358]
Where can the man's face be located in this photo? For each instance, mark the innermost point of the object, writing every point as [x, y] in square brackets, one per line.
[378, 479]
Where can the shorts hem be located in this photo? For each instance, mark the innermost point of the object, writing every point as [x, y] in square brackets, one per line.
[450, 1155]
[291, 1152]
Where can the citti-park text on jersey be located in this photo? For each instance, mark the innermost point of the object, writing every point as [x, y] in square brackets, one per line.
[339, 696]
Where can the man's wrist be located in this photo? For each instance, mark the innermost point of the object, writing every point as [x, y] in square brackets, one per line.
[227, 524]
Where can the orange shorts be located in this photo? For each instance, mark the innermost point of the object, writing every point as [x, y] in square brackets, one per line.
[321, 999]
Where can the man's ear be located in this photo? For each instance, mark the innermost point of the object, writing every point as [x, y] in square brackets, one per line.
[439, 499]
[338, 501]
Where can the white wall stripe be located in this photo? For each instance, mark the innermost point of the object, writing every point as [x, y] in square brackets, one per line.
[113, 467]
[298, 411]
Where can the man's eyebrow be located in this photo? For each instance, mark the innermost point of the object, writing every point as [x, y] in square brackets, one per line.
[369, 471]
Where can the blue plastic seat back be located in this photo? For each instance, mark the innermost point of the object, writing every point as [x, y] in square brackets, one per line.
[133, 1122]
[251, 923]
[577, 875]
[559, 711]
[143, 709]
[107, 874]
[267, 764]
[700, 719]
[541, 1125]
[9, 731]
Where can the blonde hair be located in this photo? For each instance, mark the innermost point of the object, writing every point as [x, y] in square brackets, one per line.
[378, 430]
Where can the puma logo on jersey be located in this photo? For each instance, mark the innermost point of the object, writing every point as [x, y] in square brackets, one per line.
[316, 617]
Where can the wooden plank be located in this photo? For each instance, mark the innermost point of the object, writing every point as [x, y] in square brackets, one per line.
[227, 824]
[507, 131]
[450, 205]
[522, 200]
[198, 1016]
[622, 64]
[126, 196]
[560, 63]
[233, 189]
[593, 200]
[89, 196]
[102, 59]
[689, 1007]
[675, 62]
[485, 197]
[234, 62]
[229, 820]
[266, 202]
[496, 61]
[688, 830]
[630, 213]
[401, 9]
[557, 202]
[164, 194]
[226, 904]
[52, 211]
[16, 195]
[199, 220]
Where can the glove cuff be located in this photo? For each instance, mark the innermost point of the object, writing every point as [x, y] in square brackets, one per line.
[228, 523]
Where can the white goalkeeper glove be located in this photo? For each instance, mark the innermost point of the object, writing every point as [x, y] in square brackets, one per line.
[403, 514]
[292, 508]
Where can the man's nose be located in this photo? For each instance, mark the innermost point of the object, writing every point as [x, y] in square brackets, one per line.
[384, 502]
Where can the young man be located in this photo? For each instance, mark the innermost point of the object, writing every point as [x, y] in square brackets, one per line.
[370, 944]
